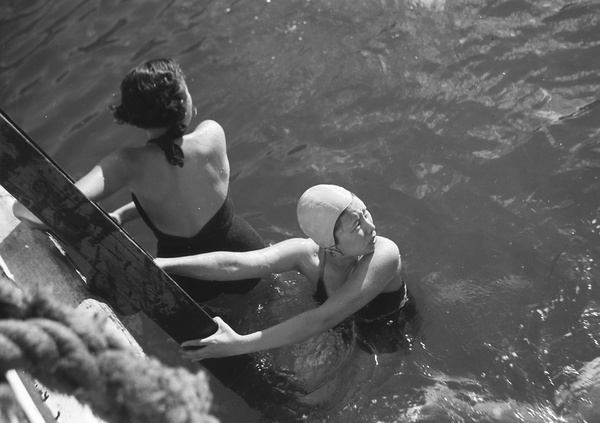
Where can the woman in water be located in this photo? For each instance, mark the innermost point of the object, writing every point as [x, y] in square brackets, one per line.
[355, 272]
[179, 182]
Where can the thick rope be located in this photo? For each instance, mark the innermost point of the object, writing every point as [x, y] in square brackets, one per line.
[69, 351]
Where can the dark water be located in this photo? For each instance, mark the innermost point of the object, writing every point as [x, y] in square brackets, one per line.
[470, 128]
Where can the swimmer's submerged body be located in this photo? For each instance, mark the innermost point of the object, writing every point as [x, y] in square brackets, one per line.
[379, 324]
[354, 271]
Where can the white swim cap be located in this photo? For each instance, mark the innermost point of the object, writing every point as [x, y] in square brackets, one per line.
[318, 210]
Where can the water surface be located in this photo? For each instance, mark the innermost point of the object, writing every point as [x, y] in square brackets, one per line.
[470, 128]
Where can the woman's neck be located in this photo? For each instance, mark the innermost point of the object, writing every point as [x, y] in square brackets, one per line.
[341, 261]
[152, 133]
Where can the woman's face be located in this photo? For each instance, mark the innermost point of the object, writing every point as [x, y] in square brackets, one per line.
[356, 234]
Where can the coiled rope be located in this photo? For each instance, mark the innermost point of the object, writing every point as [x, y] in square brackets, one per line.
[69, 351]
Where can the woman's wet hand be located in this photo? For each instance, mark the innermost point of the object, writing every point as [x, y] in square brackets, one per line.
[223, 343]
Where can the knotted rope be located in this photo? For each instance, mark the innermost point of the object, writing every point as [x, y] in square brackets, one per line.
[69, 351]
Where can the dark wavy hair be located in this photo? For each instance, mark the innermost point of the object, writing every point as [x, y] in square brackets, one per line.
[152, 95]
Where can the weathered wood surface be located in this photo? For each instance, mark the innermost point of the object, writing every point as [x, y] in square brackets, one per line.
[114, 264]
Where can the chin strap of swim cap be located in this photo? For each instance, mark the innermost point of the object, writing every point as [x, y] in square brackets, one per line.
[334, 250]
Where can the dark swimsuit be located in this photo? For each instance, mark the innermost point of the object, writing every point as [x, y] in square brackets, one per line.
[379, 323]
[223, 232]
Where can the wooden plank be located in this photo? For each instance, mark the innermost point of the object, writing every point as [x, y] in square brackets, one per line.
[115, 266]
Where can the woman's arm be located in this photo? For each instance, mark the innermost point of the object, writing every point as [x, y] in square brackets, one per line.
[284, 256]
[226, 342]
[126, 213]
[111, 174]
[107, 177]
[370, 278]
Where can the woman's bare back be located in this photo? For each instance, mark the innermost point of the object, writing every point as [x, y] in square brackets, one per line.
[192, 193]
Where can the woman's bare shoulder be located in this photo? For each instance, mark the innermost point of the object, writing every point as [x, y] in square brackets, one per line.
[386, 250]
[304, 253]
[387, 244]
[208, 138]
[209, 128]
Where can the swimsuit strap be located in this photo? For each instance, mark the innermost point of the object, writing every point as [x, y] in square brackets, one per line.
[321, 263]
[321, 292]
[166, 142]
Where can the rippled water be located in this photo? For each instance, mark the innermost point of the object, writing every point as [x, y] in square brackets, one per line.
[470, 128]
